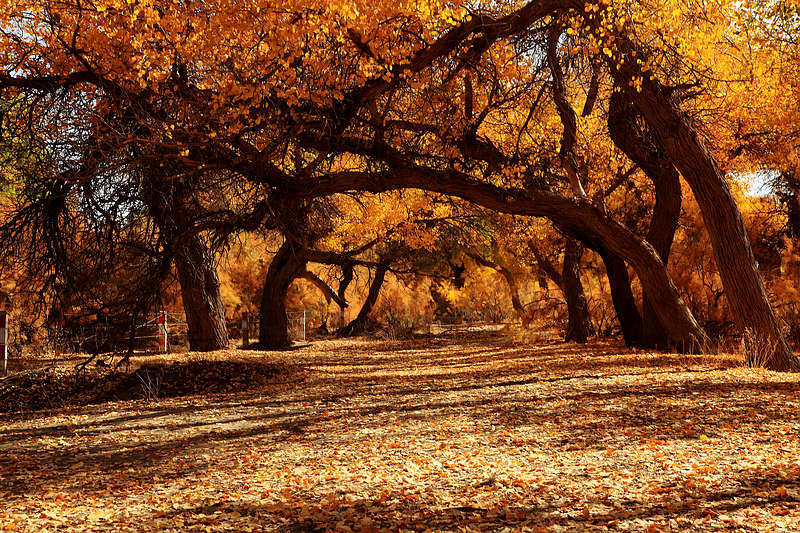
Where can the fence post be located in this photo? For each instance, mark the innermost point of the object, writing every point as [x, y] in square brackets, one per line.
[163, 340]
[4, 339]
[245, 329]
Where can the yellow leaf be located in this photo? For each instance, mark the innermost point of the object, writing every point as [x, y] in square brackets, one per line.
[97, 514]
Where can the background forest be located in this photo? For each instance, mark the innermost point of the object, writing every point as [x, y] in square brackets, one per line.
[609, 168]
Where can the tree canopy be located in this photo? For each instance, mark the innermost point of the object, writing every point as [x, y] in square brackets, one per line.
[170, 128]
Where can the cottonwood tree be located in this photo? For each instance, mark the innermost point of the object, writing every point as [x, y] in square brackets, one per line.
[118, 190]
[378, 93]
[273, 175]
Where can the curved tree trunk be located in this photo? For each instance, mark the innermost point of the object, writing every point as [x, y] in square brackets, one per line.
[619, 282]
[741, 279]
[579, 324]
[287, 265]
[648, 155]
[359, 324]
[576, 217]
[683, 331]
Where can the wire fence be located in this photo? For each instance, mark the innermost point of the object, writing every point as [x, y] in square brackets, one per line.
[158, 333]
[165, 331]
[297, 325]
[296, 322]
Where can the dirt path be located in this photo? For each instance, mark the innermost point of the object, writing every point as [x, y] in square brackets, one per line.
[462, 433]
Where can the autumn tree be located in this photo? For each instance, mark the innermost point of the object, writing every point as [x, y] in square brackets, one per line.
[473, 102]
[255, 165]
[171, 204]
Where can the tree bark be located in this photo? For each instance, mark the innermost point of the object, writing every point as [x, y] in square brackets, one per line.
[579, 324]
[619, 282]
[359, 324]
[568, 281]
[649, 156]
[741, 279]
[576, 217]
[202, 302]
[169, 206]
[569, 136]
[288, 264]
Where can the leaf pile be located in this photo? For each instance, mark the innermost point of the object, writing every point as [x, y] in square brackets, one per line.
[183, 378]
[54, 387]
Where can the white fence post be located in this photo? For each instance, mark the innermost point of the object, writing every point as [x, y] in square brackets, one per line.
[163, 338]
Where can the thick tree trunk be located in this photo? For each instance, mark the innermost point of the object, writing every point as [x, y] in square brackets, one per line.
[649, 156]
[169, 206]
[654, 335]
[359, 324]
[568, 281]
[287, 265]
[683, 331]
[579, 324]
[202, 303]
[743, 285]
[630, 321]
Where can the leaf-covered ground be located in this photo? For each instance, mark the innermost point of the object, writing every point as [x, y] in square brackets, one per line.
[57, 386]
[459, 433]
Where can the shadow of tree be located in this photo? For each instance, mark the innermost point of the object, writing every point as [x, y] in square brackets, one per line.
[562, 400]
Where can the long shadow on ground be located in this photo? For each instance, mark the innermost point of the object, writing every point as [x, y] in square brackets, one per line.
[568, 403]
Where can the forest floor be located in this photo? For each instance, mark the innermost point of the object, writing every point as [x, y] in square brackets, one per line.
[469, 432]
